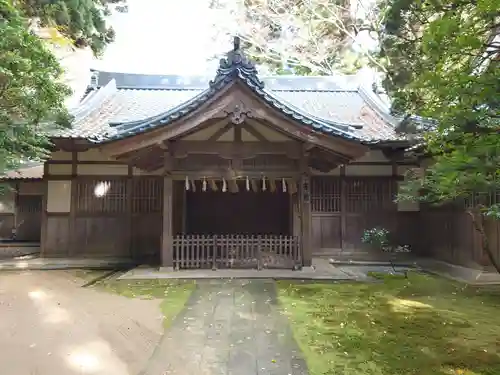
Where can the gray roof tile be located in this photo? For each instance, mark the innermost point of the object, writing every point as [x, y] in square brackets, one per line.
[139, 104]
[121, 105]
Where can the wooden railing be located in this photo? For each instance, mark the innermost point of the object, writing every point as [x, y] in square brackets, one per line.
[236, 251]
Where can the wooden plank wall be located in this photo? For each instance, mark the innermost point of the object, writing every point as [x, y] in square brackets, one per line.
[26, 218]
[125, 221]
[448, 235]
[344, 206]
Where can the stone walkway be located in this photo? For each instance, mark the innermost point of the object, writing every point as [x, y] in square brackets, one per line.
[229, 327]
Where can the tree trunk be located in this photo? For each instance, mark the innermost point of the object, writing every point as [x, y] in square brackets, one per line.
[478, 223]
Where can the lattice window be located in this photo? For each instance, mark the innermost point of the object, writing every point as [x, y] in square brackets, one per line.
[29, 204]
[486, 199]
[101, 196]
[325, 194]
[147, 195]
[370, 194]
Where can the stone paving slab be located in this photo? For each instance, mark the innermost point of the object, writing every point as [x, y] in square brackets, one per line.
[332, 273]
[229, 327]
[30, 263]
[10, 251]
[462, 274]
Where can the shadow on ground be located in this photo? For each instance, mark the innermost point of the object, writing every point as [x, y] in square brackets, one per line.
[420, 325]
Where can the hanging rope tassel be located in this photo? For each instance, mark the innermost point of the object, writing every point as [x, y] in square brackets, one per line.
[193, 185]
[254, 185]
[213, 185]
[264, 188]
[224, 185]
[247, 184]
[204, 184]
[272, 185]
[186, 184]
[283, 185]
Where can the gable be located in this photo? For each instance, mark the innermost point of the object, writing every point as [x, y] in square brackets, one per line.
[226, 131]
[235, 106]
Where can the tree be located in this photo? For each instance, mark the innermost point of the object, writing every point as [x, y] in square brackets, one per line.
[31, 93]
[82, 21]
[442, 63]
[303, 36]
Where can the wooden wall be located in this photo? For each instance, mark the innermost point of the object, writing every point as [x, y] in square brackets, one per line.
[20, 211]
[356, 197]
[127, 220]
[100, 208]
[448, 234]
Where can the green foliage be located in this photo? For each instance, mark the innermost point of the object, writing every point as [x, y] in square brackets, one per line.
[30, 90]
[376, 237]
[443, 64]
[81, 20]
[379, 239]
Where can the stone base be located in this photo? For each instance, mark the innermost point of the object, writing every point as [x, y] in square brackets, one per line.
[308, 269]
[166, 269]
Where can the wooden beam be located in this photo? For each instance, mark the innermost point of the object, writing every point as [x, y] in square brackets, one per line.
[229, 149]
[237, 134]
[254, 132]
[349, 148]
[220, 132]
[72, 144]
[219, 173]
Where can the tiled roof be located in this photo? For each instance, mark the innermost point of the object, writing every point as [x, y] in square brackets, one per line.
[119, 104]
[28, 172]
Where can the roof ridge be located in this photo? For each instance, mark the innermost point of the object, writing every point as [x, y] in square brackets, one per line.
[133, 88]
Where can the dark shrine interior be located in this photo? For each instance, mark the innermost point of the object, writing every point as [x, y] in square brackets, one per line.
[243, 212]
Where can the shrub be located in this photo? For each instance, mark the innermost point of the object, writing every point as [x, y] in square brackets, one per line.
[377, 238]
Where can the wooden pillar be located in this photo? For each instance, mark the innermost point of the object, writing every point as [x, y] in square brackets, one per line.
[305, 210]
[129, 193]
[166, 240]
[15, 233]
[73, 240]
[43, 234]
[343, 209]
[306, 220]
[167, 229]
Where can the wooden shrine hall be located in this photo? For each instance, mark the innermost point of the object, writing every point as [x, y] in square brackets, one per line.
[240, 171]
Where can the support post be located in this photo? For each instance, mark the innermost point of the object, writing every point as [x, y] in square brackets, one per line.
[305, 209]
[305, 196]
[166, 240]
[343, 209]
[167, 259]
[73, 248]
[43, 234]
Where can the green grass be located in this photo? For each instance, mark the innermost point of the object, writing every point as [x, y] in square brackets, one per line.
[421, 325]
[174, 294]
